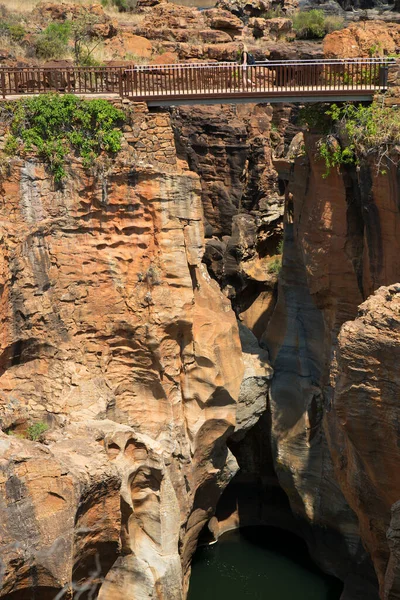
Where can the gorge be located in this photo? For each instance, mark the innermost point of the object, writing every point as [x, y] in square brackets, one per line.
[200, 333]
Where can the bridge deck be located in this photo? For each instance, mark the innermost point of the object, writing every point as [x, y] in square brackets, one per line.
[299, 81]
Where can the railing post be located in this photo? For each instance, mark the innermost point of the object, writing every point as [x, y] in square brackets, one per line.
[3, 83]
[383, 76]
[121, 83]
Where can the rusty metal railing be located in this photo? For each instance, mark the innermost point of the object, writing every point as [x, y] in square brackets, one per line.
[75, 80]
[290, 78]
[204, 79]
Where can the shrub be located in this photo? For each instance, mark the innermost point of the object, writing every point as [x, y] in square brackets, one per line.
[333, 23]
[309, 25]
[314, 25]
[53, 41]
[358, 132]
[36, 430]
[54, 126]
[85, 39]
[316, 118]
[275, 266]
[14, 32]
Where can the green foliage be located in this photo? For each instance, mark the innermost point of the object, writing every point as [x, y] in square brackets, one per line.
[78, 36]
[53, 41]
[13, 433]
[334, 155]
[35, 431]
[309, 25]
[11, 145]
[313, 24]
[360, 131]
[54, 126]
[364, 75]
[375, 50]
[275, 266]
[14, 31]
[316, 118]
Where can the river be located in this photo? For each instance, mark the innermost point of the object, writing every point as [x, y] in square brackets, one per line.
[259, 564]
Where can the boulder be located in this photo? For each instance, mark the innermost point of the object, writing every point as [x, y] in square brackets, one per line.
[272, 29]
[362, 40]
[224, 20]
[131, 46]
[256, 8]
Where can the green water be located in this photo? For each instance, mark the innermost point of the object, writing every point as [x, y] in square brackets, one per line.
[261, 564]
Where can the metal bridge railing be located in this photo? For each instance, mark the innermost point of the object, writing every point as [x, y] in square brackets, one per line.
[203, 79]
[262, 78]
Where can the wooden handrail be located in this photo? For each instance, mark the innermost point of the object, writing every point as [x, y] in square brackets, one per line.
[203, 79]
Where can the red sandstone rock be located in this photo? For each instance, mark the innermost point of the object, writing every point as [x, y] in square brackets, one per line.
[112, 334]
[224, 20]
[272, 29]
[130, 46]
[360, 39]
[365, 432]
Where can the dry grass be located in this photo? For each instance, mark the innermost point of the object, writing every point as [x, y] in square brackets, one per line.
[25, 6]
[13, 47]
[19, 5]
[126, 17]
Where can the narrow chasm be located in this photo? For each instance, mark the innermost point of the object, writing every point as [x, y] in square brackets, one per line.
[296, 250]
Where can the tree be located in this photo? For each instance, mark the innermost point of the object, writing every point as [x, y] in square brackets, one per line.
[85, 38]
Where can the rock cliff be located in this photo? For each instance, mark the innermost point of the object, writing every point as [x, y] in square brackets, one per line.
[340, 246]
[141, 305]
[116, 338]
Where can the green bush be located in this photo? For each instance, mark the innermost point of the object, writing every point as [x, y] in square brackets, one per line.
[54, 126]
[275, 266]
[35, 431]
[15, 32]
[316, 118]
[53, 41]
[359, 131]
[309, 25]
[313, 24]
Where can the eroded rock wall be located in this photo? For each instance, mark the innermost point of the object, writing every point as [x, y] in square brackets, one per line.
[363, 428]
[115, 336]
[340, 246]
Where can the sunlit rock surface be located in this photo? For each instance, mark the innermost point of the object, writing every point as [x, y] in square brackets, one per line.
[114, 335]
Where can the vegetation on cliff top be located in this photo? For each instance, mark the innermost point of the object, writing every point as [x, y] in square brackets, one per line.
[314, 24]
[54, 126]
[353, 132]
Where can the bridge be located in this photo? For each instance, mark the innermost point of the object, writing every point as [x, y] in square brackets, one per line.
[209, 82]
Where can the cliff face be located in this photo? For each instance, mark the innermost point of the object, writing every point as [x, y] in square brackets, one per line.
[231, 150]
[340, 246]
[114, 335]
[364, 428]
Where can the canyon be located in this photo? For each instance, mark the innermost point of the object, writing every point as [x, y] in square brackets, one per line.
[204, 331]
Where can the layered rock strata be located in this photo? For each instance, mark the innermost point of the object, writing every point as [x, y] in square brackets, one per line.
[340, 246]
[115, 336]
